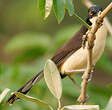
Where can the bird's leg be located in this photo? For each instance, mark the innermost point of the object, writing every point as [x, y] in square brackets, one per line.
[74, 82]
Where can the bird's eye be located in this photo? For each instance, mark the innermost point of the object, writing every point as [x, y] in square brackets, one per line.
[91, 13]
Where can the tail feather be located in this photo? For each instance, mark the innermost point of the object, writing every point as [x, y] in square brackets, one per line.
[26, 87]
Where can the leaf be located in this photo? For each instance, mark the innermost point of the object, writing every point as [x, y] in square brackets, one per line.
[52, 78]
[70, 7]
[45, 7]
[42, 7]
[48, 7]
[3, 94]
[59, 9]
[109, 105]
[32, 99]
[81, 107]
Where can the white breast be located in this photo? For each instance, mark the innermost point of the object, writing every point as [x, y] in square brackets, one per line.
[79, 59]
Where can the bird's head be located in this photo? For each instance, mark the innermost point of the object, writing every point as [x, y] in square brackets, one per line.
[93, 11]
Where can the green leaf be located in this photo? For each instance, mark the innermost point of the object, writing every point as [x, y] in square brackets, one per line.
[48, 7]
[45, 7]
[70, 7]
[52, 78]
[109, 105]
[42, 7]
[81, 107]
[32, 99]
[59, 9]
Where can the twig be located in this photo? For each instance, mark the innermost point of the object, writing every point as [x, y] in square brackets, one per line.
[90, 43]
[88, 4]
[106, 11]
[81, 20]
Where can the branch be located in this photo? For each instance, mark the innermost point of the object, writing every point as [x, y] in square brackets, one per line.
[90, 43]
[81, 20]
[106, 11]
[88, 4]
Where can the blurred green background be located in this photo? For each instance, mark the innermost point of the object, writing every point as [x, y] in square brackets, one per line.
[26, 41]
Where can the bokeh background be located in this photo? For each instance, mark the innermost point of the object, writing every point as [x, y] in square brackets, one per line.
[26, 41]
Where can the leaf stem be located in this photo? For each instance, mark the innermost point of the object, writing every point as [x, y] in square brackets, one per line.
[59, 104]
[81, 20]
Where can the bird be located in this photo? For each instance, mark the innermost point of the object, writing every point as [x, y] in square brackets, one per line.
[72, 57]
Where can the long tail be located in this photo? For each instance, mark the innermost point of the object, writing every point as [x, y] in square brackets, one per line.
[26, 87]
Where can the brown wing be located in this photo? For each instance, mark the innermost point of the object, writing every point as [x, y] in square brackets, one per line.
[69, 47]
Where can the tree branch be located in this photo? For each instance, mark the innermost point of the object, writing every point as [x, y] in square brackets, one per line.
[90, 43]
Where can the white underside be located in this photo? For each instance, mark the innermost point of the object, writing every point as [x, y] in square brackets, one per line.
[79, 59]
